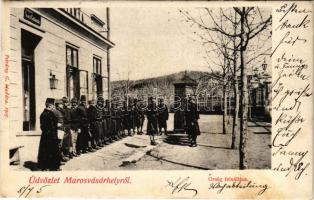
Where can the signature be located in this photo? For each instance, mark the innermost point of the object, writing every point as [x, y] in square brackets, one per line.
[181, 184]
[25, 191]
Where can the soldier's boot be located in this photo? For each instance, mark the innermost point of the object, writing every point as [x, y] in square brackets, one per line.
[108, 140]
[63, 158]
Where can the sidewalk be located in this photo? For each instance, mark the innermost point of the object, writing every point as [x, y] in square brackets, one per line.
[113, 156]
[125, 151]
[172, 152]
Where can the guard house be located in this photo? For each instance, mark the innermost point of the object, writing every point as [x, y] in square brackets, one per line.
[183, 88]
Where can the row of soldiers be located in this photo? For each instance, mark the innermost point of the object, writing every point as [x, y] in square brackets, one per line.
[72, 128]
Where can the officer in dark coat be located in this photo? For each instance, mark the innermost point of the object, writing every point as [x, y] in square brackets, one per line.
[83, 134]
[151, 113]
[191, 117]
[49, 152]
[163, 116]
[74, 124]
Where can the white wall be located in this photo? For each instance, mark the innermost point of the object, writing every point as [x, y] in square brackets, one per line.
[49, 57]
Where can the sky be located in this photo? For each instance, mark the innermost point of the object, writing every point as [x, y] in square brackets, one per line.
[157, 41]
[151, 42]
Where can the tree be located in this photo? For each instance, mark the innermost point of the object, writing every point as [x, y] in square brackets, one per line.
[227, 33]
[122, 88]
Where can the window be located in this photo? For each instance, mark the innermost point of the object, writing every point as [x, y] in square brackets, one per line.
[72, 72]
[84, 83]
[97, 77]
[72, 57]
[100, 82]
[97, 66]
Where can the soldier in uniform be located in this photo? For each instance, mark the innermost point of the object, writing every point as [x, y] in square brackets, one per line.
[107, 123]
[126, 125]
[119, 121]
[191, 117]
[74, 125]
[141, 113]
[66, 147]
[92, 118]
[49, 152]
[130, 118]
[83, 135]
[151, 113]
[100, 137]
[114, 122]
[163, 116]
[137, 116]
[58, 111]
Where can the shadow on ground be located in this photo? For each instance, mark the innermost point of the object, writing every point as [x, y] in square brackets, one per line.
[177, 139]
[183, 140]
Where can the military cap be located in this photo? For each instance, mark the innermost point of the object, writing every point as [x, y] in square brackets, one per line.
[50, 101]
[73, 100]
[83, 98]
[100, 99]
[65, 100]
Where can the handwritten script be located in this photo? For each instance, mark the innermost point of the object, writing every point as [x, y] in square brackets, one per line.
[292, 90]
[181, 185]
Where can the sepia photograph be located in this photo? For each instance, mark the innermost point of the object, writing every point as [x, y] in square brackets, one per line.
[140, 88]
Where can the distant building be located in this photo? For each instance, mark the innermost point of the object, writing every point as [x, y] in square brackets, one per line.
[55, 53]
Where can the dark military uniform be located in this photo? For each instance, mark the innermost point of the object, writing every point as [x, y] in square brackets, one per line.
[138, 118]
[83, 136]
[192, 127]
[125, 116]
[120, 122]
[107, 124]
[163, 116]
[49, 153]
[74, 124]
[67, 139]
[114, 123]
[151, 114]
[100, 137]
[59, 113]
[132, 118]
[92, 118]
[141, 119]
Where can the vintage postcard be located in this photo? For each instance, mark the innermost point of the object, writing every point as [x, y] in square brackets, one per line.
[157, 99]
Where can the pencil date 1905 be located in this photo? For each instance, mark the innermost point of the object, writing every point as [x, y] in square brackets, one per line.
[26, 191]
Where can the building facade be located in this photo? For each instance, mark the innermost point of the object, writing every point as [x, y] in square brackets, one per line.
[54, 53]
